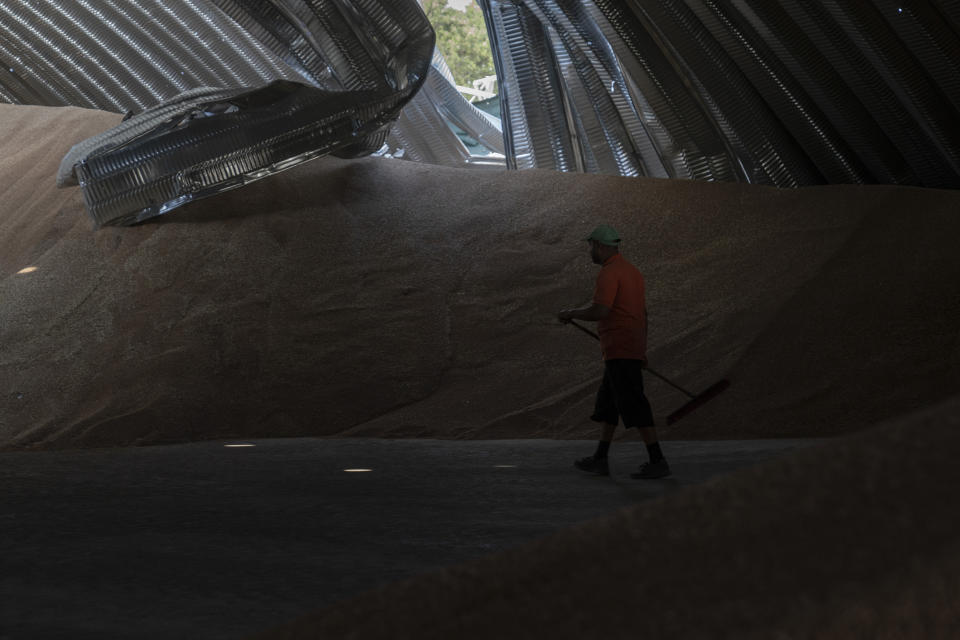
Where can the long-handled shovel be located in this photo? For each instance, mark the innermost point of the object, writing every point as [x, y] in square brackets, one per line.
[695, 402]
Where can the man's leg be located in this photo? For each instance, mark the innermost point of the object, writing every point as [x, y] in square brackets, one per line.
[598, 463]
[607, 431]
[606, 437]
[657, 467]
[649, 434]
[635, 408]
[604, 412]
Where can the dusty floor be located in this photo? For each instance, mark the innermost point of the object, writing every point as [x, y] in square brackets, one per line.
[856, 538]
[108, 543]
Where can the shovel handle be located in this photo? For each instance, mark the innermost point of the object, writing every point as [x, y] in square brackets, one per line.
[584, 329]
[653, 371]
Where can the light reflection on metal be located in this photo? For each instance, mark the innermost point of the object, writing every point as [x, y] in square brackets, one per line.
[164, 157]
[222, 92]
[423, 134]
[773, 92]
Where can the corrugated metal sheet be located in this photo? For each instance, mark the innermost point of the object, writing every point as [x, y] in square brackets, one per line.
[768, 91]
[221, 92]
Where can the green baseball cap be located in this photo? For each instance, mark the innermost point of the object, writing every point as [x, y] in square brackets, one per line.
[605, 234]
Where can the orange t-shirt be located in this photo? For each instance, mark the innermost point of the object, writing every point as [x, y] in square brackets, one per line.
[620, 288]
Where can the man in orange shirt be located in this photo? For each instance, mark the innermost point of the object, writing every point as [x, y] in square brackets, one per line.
[619, 308]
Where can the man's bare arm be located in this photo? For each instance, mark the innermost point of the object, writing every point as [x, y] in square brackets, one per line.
[593, 312]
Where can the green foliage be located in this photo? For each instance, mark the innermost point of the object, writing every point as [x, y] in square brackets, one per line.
[462, 39]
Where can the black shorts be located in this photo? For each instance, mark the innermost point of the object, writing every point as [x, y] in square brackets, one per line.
[621, 395]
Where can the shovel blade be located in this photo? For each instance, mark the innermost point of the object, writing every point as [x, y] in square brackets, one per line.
[699, 400]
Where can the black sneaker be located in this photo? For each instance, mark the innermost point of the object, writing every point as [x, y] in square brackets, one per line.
[590, 464]
[652, 470]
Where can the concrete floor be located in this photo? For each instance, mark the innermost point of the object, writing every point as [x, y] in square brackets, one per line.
[209, 540]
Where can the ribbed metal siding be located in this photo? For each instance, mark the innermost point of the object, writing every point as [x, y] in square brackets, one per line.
[781, 92]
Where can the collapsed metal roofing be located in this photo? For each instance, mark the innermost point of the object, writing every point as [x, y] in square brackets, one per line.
[221, 92]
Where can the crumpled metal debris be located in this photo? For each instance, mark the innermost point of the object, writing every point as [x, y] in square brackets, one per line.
[222, 92]
[290, 80]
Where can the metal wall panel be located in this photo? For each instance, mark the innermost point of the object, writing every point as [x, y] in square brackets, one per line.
[778, 92]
